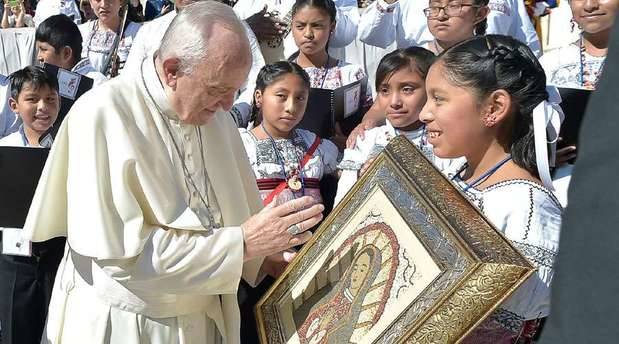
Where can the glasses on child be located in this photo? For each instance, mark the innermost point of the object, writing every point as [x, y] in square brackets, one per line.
[451, 10]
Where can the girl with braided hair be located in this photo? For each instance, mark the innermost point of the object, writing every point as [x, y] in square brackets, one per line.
[488, 101]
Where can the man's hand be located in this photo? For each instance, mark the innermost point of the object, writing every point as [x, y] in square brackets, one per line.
[275, 264]
[266, 233]
[265, 26]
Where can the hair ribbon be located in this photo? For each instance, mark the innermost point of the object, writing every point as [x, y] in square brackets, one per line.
[547, 118]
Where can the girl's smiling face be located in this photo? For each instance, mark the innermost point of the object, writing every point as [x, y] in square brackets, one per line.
[594, 16]
[453, 117]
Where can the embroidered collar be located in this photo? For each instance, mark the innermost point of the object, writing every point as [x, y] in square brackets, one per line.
[83, 63]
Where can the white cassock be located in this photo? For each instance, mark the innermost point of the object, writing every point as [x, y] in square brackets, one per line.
[140, 264]
[149, 37]
[404, 23]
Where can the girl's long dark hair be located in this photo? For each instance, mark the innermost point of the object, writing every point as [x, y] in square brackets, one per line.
[485, 64]
[271, 73]
[326, 5]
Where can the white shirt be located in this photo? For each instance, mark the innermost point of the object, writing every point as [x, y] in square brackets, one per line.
[265, 162]
[563, 68]
[405, 23]
[372, 143]
[97, 45]
[17, 139]
[529, 216]
[9, 121]
[147, 42]
[345, 30]
[28, 21]
[48, 8]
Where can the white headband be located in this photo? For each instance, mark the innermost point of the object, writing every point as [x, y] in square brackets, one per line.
[547, 118]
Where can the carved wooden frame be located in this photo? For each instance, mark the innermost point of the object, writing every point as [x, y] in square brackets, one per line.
[479, 267]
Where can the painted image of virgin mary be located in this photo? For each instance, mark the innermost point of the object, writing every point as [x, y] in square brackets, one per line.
[334, 320]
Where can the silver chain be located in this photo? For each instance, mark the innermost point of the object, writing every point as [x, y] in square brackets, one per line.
[212, 223]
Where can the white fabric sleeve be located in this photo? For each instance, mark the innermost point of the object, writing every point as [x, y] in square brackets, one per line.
[377, 25]
[242, 105]
[347, 20]
[509, 17]
[346, 181]
[525, 30]
[137, 53]
[184, 262]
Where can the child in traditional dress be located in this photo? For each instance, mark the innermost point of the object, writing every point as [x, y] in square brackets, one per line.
[449, 23]
[313, 23]
[487, 101]
[580, 64]
[106, 36]
[400, 85]
[34, 98]
[288, 162]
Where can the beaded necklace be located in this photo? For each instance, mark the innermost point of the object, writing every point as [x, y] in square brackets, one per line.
[588, 85]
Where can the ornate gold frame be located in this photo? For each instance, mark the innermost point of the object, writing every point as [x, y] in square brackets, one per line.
[479, 267]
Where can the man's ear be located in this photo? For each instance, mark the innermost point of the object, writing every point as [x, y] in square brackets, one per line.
[13, 105]
[496, 108]
[171, 71]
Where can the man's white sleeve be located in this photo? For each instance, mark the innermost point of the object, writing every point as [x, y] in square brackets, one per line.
[184, 262]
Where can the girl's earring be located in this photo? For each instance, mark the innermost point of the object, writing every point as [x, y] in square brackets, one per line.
[489, 121]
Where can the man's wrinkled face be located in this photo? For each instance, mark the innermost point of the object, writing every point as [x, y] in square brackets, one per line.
[209, 88]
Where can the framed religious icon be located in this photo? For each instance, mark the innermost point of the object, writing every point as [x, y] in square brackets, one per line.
[405, 257]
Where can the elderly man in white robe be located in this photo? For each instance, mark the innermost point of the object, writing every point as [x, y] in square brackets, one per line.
[149, 181]
[149, 37]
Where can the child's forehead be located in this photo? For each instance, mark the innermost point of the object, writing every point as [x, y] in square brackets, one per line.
[30, 88]
[408, 71]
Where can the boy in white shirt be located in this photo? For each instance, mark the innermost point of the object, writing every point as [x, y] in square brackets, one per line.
[34, 98]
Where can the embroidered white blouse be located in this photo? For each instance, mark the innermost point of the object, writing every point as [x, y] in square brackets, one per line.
[265, 163]
[97, 45]
[373, 142]
[563, 67]
[529, 216]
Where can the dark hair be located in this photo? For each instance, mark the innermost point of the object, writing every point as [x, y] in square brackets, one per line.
[325, 5]
[33, 75]
[60, 31]
[414, 57]
[271, 73]
[480, 28]
[485, 64]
